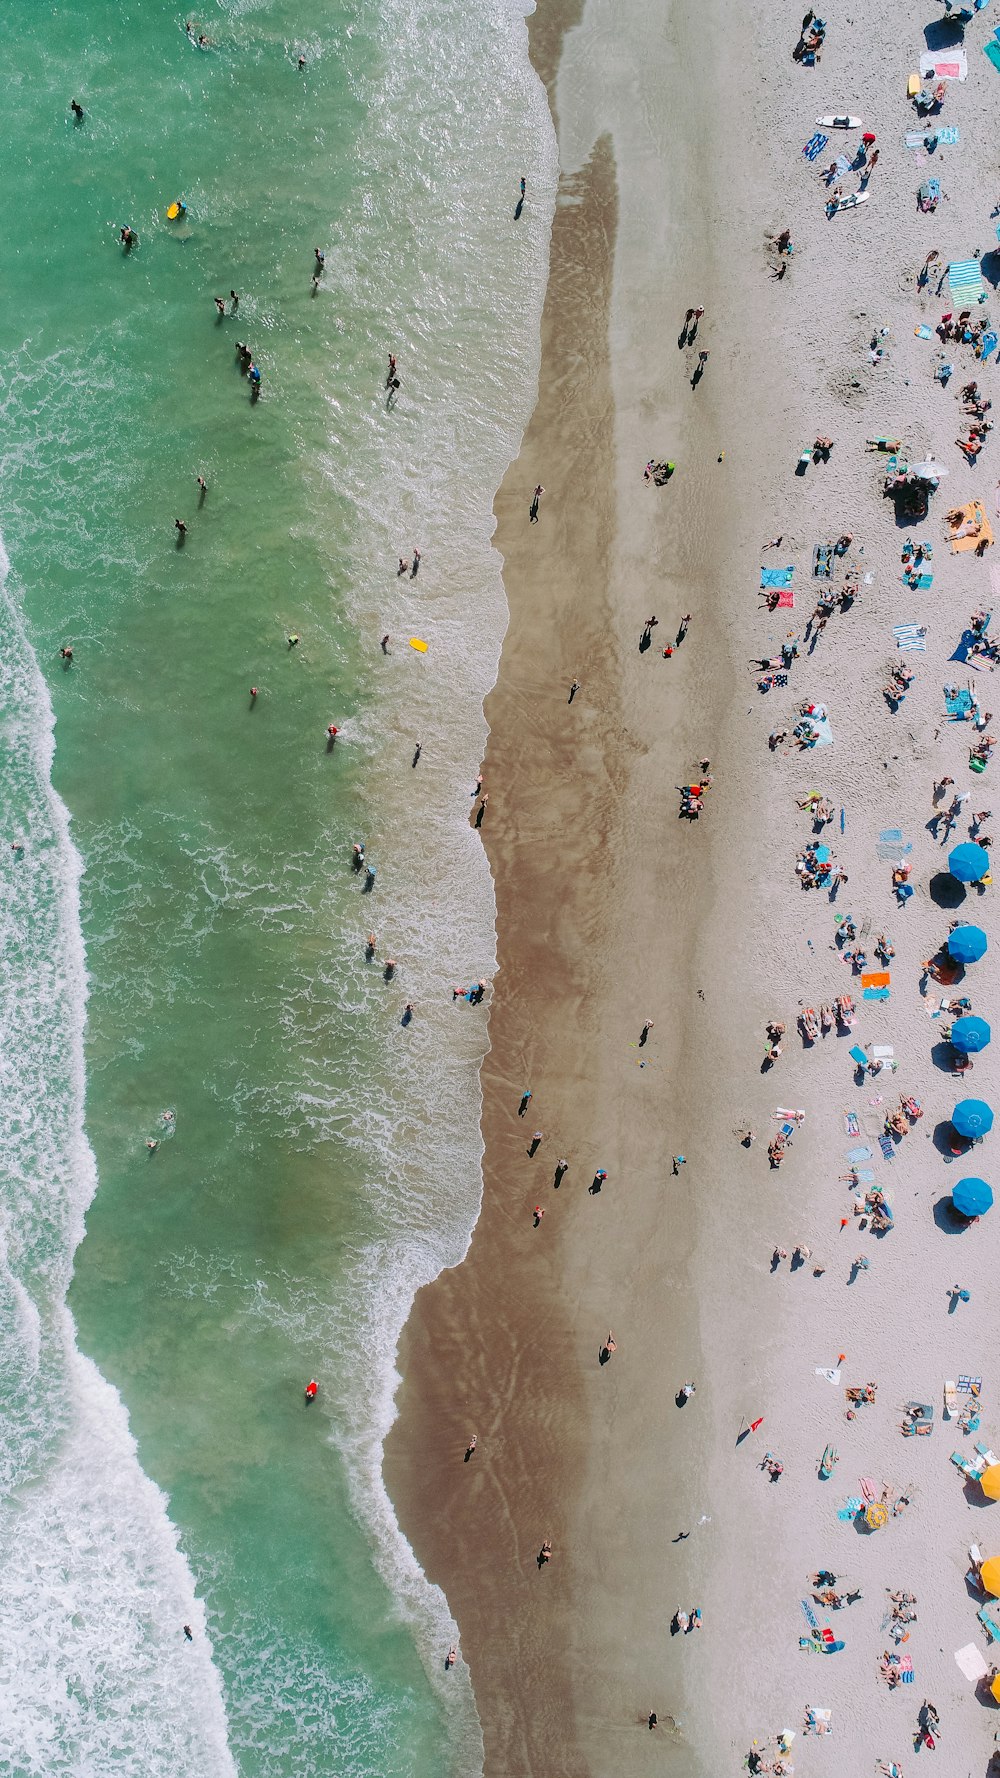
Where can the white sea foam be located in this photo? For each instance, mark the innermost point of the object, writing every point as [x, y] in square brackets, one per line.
[95, 1674]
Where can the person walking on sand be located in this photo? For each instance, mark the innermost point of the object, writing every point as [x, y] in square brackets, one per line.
[535, 1142]
[481, 811]
[608, 1349]
[574, 688]
[679, 1161]
[471, 1447]
[525, 1101]
[535, 498]
[537, 1214]
[644, 1033]
[683, 628]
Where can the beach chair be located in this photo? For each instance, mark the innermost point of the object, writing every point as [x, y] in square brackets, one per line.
[951, 1402]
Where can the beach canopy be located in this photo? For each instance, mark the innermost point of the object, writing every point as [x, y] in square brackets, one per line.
[970, 1035]
[969, 863]
[973, 1197]
[967, 944]
[929, 471]
[972, 1118]
[989, 1574]
[989, 1481]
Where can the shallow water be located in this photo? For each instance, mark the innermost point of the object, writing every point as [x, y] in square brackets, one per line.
[321, 1159]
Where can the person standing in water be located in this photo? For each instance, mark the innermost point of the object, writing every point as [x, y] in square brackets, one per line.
[202, 489]
[181, 529]
[77, 110]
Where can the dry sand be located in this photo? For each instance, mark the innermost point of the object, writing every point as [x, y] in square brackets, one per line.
[680, 142]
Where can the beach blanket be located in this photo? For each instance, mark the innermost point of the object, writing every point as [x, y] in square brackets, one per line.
[867, 1485]
[866, 1175]
[824, 733]
[963, 652]
[850, 1508]
[988, 345]
[912, 636]
[891, 848]
[874, 993]
[815, 146]
[970, 1663]
[885, 1144]
[786, 599]
[776, 576]
[906, 1670]
[959, 704]
[972, 527]
[875, 978]
[965, 280]
[854, 1155]
[950, 64]
[948, 135]
[969, 1385]
[992, 52]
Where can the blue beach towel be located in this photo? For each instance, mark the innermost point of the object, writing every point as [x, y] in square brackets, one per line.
[885, 1144]
[959, 706]
[948, 135]
[912, 636]
[856, 1155]
[776, 576]
[874, 993]
[992, 53]
[989, 344]
[815, 146]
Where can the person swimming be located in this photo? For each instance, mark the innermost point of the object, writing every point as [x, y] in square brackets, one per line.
[312, 1389]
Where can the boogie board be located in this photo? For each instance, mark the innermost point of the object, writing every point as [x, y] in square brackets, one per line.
[173, 212]
[840, 123]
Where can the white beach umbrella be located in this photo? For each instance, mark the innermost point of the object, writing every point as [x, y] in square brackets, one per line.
[929, 471]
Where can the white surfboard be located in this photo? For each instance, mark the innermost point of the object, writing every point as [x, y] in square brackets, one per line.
[840, 123]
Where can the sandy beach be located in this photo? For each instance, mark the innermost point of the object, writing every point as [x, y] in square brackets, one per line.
[612, 911]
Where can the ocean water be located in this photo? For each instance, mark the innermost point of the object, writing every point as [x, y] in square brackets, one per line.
[183, 932]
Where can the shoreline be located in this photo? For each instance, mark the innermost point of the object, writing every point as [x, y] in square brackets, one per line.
[611, 911]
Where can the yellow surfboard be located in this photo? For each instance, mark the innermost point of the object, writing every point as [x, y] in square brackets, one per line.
[416, 643]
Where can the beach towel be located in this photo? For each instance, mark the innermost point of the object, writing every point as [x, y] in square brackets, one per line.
[948, 135]
[874, 993]
[824, 733]
[970, 1663]
[911, 636]
[969, 1385]
[992, 52]
[867, 1485]
[865, 1175]
[776, 576]
[906, 1670]
[850, 1508]
[857, 1055]
[815, 146]
[951, 64]
[971, 529]
[875, 978]
[965, 281]
[957, 703]
[919, 580]
[988, 345]
[923, 332]
[786, 599]
[850, 1122]
[885, 1144]
[963, 652]
[854, 1155]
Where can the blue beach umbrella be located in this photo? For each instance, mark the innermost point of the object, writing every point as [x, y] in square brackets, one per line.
[969, 1035]
[969, 863]
[972, 1197]
[972, 1118]
[967, 944]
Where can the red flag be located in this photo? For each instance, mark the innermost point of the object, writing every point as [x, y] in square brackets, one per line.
[755, 1423]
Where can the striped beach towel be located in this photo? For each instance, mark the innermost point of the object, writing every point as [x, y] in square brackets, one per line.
[906, 1670]
[885, 1144]
[964, 279]
[912, 636]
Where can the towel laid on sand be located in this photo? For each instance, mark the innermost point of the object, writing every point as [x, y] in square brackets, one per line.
[776, 576]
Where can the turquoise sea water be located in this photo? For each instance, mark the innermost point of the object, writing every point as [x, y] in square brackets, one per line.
[158, 1466]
